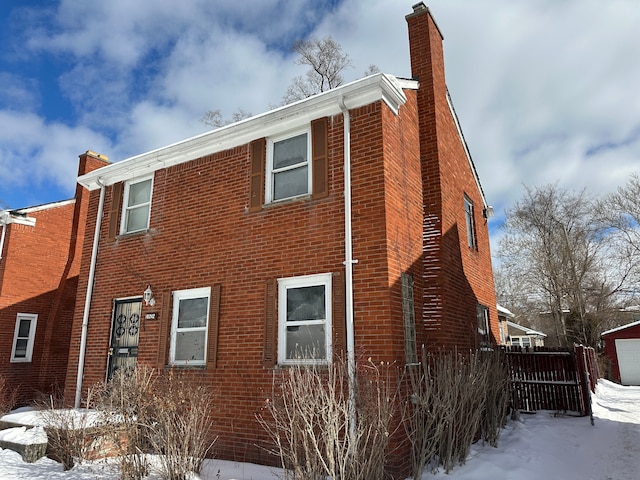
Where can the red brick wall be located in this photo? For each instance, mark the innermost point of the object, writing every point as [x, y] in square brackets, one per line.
[39, 274]
[610, 348]
[456, 277]
[33, 260]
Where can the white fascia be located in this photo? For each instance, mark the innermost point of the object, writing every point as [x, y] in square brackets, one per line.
[355, 94]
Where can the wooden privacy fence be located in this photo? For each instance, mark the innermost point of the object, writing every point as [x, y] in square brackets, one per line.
[546, 378]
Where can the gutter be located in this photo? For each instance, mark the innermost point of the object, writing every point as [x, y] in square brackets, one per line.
[87, 300]
[348, 262]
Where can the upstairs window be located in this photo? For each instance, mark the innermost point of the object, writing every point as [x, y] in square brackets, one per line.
[304, 319]
[137, 205]
[23, 337]
[471, 228]
[190, 326]
[288, 167]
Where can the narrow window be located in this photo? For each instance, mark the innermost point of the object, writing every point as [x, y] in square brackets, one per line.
[482, 314]
[408, 313]
[24, 336]
[189, 326]
[288, 169]
[471, 229]
[304, 319]
[137, 205]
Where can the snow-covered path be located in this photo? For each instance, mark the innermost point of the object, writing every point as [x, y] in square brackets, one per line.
[540, 446]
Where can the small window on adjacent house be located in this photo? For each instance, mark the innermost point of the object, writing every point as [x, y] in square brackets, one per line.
[189, 326]
[23, 337]
[471, 228]
[288, 167]
[304, 319]
[482, 314]
[137, 205]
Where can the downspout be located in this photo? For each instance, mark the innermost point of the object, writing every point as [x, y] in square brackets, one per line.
[87, 300]
[348, 262]
[4, 229]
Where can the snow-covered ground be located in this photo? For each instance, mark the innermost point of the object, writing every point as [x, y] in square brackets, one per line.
[539, 446]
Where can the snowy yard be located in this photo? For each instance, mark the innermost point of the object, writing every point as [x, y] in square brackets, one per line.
[540, 446]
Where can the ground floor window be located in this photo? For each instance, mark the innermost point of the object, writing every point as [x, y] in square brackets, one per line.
[189, 326]
[23, 337]
[304, 319]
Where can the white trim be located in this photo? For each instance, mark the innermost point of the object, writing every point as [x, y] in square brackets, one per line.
[178, 295]
[33, 322]
[623, 327]
[284, 284]
[125, 200]
[355, 94]
[505, 311]
[268, 184]
[526, 330]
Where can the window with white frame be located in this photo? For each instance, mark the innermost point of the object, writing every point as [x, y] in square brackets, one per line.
[288, 166]
[23, 337]
[520, 341]
[189, 326]
[471, 228]
[137, 205]
[304, 319]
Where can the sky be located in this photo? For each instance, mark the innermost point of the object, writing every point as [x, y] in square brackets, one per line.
[545, 90]
[535, 446]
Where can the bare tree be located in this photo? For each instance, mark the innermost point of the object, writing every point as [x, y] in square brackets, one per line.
[214, 118]
[564, 260]
[326, 60]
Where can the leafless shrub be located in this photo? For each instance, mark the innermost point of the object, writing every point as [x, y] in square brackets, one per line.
[455, 398]
[8, 396]
[308, 421]
[68, 430]
[180, 430]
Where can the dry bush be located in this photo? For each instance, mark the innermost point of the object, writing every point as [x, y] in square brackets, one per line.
[8, 396]
[307, 419]
[67, 430]
[455, 398]
[180, 431]
[159, 413]
[127, 409]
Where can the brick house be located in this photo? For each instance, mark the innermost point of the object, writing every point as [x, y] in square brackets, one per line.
[40, 249]
[350, 221]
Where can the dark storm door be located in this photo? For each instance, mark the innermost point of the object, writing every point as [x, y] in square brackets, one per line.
[125, 331]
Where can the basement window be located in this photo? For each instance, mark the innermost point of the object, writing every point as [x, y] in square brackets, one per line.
[23, 337]
[304, 319]
[482, 314]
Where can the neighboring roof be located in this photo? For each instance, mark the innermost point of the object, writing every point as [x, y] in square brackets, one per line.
[617, 329]
[504, 311]
[352, 95]
[21, 215]
[526, 330]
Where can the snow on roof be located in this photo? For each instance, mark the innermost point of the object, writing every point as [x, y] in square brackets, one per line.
[617, 329]
[505, 311]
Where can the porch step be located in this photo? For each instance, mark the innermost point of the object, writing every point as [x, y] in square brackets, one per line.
[28, 441]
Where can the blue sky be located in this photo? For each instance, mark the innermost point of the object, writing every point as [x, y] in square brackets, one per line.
[546, 90]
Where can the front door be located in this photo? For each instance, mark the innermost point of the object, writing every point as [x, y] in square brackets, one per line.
[125, 330]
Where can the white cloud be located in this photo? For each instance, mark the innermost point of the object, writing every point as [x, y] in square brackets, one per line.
[545, 90]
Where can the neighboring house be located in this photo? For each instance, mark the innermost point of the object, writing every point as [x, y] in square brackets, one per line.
[350, 221]
[513, 334]
[622, 350]
[40, 249]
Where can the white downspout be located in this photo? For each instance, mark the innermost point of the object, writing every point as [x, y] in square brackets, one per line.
[4, 229]
[348, 262]
[87, 300]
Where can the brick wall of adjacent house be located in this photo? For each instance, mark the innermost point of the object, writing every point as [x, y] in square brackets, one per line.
[456, 277]
[611, 353]
[38, 275]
